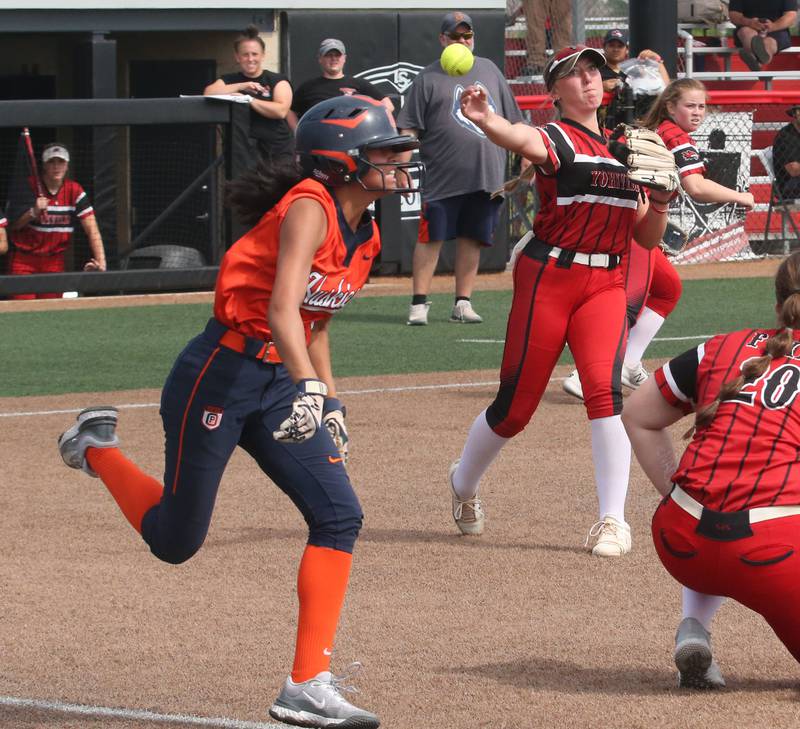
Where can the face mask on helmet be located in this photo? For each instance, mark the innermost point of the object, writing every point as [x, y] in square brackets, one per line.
[334, 138]
[408, 176]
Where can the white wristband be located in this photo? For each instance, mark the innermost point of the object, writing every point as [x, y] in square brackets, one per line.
[313, 387]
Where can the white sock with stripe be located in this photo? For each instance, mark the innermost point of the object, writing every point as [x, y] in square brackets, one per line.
[640, 336]
[700, 606]
[611, 452]
[481, 448]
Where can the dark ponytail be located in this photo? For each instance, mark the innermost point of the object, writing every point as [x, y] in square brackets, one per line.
[259, 189]
[249, 33]
[787, 295]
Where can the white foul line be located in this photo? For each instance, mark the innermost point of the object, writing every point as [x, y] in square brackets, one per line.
[657, 339]
[372, 391]
[134, 714]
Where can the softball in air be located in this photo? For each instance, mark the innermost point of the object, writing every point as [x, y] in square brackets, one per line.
[457, 59]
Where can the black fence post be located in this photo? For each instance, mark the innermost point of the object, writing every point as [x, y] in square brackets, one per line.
[653, 24]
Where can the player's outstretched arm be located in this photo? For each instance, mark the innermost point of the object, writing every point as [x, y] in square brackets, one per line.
[646, 417]
[520, 138]
[703, 190]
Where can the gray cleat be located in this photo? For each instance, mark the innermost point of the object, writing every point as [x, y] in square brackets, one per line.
[697, 668]
[318, 702]
[94, 427]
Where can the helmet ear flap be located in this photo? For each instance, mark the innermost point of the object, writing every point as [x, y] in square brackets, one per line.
[323, 169]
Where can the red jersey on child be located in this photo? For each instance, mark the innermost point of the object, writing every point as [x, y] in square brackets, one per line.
[51, 234]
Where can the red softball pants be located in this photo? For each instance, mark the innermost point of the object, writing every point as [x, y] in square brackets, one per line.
[553, 306]
[650, 280]
[25, 264]
[761, 571]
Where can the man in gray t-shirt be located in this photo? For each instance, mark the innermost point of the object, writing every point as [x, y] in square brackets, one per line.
[462, 169]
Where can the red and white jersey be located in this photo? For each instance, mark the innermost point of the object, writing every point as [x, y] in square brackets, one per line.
[3, 219]
[52, 233]
[748, 456]
[340, 267]
[588, 204]
[687, 156]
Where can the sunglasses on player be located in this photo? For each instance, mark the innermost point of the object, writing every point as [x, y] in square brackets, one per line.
[466, 35]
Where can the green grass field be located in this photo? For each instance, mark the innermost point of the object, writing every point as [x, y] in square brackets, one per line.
[53, 352]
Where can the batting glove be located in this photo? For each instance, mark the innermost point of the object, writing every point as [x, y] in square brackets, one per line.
[333, 414]
[306, 414]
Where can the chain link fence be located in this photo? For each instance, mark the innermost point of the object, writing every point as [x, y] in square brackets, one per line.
[536, 28]
[161, 206]
[745, 147]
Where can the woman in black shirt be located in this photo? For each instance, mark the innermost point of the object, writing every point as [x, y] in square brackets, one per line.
[271, 92]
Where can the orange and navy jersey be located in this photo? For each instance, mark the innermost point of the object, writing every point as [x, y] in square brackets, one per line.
[53, 231]
[682, 146]
[587, 204]
[339, 269]
[748, 455]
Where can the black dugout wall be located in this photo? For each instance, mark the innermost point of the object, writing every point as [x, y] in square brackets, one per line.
[389, 49]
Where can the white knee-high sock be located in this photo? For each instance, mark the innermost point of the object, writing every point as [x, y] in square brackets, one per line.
[611, 452]
[640, 336]
[700, 606]
[481, 448]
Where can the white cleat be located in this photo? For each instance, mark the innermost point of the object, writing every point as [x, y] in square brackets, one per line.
[572, 385]
[467, 513]
[463, 313]
[418, 314]
[634, 376]
[609, 538]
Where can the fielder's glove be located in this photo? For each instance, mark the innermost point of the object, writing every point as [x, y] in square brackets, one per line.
[333, 414]
[306, 414]
[647, 158]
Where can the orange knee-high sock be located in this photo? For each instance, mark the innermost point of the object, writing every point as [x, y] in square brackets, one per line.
[321, 585]
[134, 491]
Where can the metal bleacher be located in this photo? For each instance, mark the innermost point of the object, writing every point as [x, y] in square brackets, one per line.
[691, 50]
[706, 53]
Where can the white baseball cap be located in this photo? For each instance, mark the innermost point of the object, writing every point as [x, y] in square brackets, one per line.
[55, 150]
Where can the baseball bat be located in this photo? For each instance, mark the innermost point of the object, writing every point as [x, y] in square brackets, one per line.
[26, 135]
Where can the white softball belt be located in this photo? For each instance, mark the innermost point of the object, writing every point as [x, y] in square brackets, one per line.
[539, 250]
[760, 513]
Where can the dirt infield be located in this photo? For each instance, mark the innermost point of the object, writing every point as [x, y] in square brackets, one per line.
[519, 628]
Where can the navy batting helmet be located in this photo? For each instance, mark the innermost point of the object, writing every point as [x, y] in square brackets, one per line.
[332, 139]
